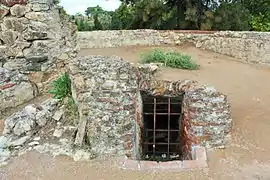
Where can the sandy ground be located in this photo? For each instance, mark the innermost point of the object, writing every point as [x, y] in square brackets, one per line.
[247, 157]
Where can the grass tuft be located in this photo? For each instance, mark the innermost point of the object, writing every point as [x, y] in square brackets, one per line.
[172, 59]
[61, 87]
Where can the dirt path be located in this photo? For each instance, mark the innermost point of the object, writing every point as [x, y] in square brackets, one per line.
[247, 156]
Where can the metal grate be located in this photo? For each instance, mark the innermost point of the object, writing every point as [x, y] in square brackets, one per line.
[161, 127]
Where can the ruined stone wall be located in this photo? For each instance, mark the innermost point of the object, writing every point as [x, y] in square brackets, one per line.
[37, 40]
[34, 35]
[251, 47]
[101, 39]
[107, 92]
[207, 118]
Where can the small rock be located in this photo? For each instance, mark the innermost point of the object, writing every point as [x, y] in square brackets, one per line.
[63, 141]
[58, 133]
[19, 10]
[109, 85]
[40, 7]
[150, 68]
[81, 155]
[9, 37]
[23, 126]
[4, 155]
[20, 141]
[38, 16]
[3, 11]
[2, 164]
[31, 111]
[58, 114]
[63, 56]
[42, 118]
[4, 142]
[36, 139]
[34, 143]
[70, 128]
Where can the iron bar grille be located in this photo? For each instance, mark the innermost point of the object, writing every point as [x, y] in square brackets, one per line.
[161, 136]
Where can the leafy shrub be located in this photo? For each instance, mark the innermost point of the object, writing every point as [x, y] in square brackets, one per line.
[232, 16]
[61, 87]
[261, 22]
[172, 59]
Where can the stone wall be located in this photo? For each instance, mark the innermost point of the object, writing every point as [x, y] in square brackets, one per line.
[101, 39]
[251, 47]
[37, 40]
[34, 35]
[107, 91]
[15, 88]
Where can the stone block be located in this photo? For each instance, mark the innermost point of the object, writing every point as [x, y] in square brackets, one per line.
[149, 165]
[38, 16]
[63, 56]
[15, 24]
[15, 89]
[11, 3]
[48, 2]
[40, 7]
[16, 64]
[194, 164]
[170, 166]
[19, 10]
[8, 37]
[3, 11]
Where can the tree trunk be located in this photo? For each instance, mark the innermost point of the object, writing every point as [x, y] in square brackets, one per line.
[199, 13]
[178, 15]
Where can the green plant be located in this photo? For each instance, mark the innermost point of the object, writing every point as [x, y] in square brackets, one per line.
[61, 87]
[261, 22]
[172, 59]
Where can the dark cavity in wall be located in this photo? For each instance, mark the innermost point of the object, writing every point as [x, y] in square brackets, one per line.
[161, 137]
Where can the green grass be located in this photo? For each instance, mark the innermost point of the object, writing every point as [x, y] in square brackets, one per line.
[61, 87]
[172, 59]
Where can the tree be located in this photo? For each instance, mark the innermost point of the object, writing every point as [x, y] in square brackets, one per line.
[94, 11]
[232, 16]
[183, 14]
[123, 17]
[102, 19]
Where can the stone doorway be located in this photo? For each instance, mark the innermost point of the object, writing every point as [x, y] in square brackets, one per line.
[110, 101]
[161, 136]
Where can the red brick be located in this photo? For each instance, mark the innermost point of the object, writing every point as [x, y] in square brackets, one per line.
[201, 153]
[131, 164]
[171, 165]
[6, 86]
[13, 2]
[149, 165]
[194, 164]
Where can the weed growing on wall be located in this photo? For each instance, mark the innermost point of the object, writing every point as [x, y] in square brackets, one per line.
[61, 87]
[172, 59]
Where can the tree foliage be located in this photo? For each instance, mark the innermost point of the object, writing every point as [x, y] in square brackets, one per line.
[180, 14]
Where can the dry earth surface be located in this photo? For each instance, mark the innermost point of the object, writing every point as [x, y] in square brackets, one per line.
[246, 157]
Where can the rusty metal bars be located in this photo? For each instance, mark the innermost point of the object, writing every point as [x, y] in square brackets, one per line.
[154, 133]
[156, 144]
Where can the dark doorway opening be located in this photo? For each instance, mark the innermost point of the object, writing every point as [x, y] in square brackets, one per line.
[162, 119]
